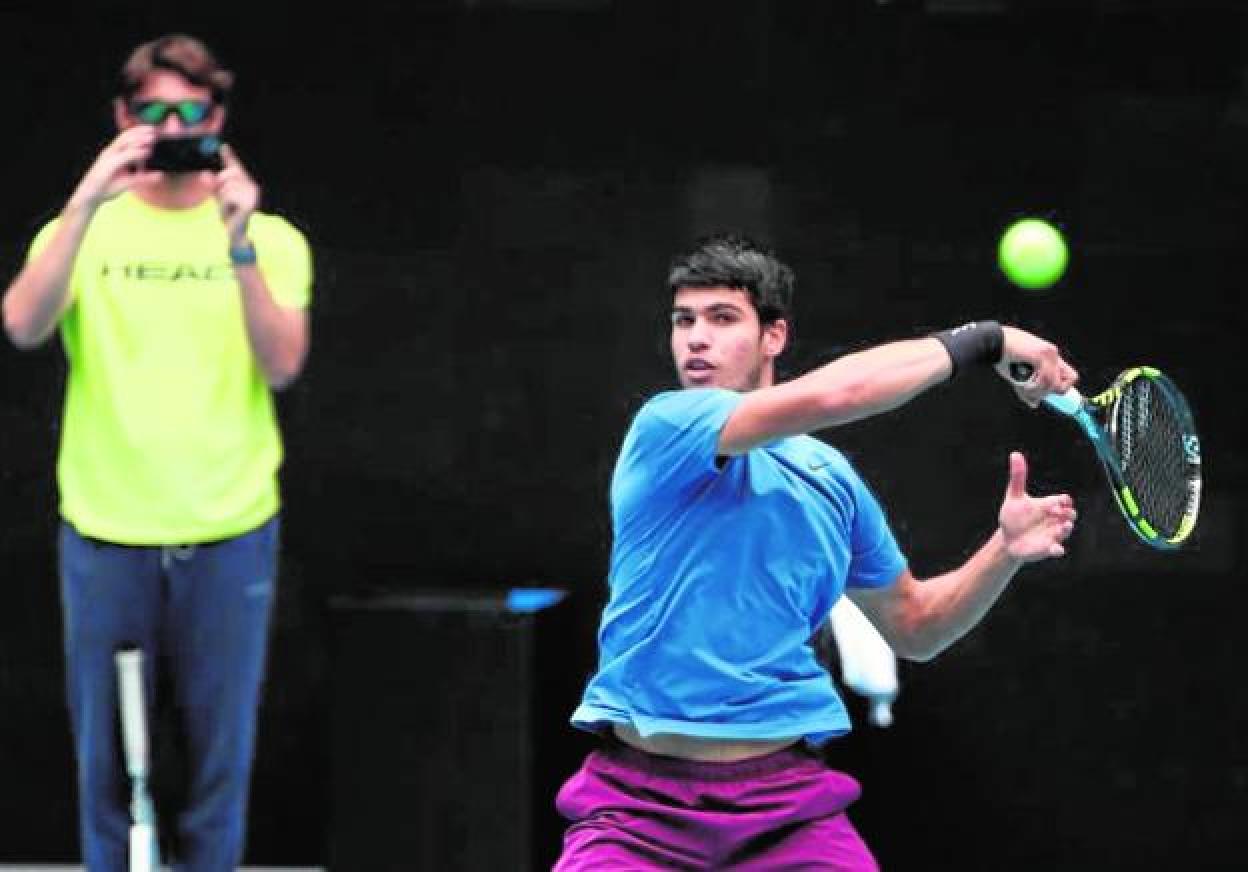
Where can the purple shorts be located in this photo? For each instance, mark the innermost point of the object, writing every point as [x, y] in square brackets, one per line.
[630, 810]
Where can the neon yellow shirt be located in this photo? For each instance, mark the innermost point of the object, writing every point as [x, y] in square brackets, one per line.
[169, 434]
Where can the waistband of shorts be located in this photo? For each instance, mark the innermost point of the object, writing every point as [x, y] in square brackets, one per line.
[705, 770]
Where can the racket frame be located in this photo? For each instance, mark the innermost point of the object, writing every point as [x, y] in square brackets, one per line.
[1088, 413]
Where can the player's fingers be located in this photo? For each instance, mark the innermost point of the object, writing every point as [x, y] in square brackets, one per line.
[1059, 527]
[1058, 504]
[1017, 486]
[1049, 375]
[130, 155]
[1068, 376]
[133, 135]
[1061, 522]
[229, 158]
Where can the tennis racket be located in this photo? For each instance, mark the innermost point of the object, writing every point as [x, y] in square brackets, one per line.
[144, 848]
[1141, 427]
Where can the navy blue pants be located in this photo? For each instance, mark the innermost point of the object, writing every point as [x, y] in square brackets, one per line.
[203, 611]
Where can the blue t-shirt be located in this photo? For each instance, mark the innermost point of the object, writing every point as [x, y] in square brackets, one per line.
[721, 571]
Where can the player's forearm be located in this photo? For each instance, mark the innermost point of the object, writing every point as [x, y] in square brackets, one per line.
[946, 607]
[850, 388]
[35, 301]
[878, 379]
[278, 336]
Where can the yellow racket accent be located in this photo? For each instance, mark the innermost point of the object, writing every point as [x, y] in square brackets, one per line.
[1129, 503]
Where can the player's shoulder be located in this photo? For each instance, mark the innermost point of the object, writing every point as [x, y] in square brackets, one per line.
[272, 228]
[45, 227]
[683, 408]
[677, 406]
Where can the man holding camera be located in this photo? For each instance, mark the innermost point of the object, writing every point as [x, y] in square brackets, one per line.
[180, 308]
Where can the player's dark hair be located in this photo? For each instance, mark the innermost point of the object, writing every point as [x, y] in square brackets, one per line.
[728, 260]
[177, 53]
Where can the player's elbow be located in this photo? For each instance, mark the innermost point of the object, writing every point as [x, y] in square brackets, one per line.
[909, 642]
[923, 632]
[283, 363]
[913, 631]
[280, 376]
[918, 650]
[19, 330]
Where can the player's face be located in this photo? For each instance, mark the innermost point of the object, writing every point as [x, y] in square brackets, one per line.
[172, 105]
[718, 341]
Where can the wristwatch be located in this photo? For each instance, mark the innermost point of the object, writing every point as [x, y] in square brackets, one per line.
[242, 253]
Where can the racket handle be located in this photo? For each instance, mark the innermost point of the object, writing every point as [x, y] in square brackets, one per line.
[880, 711]
[1069, 402]
[144, 853]
[133, 712]
[1021, 372]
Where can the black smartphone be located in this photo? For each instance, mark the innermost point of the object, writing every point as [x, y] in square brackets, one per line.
[185, 154]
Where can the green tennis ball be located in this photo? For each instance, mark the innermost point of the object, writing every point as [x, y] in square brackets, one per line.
[1032, 254]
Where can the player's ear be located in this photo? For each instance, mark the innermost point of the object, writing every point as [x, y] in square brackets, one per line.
[775, 337]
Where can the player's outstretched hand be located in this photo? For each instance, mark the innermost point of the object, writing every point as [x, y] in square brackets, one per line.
[1034, 527]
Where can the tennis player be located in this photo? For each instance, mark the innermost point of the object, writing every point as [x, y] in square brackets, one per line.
[734, 535]
[180, 308]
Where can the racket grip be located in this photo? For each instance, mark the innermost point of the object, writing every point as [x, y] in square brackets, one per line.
[133, 711]
[1021, 372]
[144, 853]
[1069, 402]
[880, 711]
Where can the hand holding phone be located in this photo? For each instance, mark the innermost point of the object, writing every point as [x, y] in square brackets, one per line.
[117, 168]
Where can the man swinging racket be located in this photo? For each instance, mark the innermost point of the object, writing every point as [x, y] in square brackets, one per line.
[735, 533]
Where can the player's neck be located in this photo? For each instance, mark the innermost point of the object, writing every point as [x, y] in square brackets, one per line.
[766, 376]
[184, 191]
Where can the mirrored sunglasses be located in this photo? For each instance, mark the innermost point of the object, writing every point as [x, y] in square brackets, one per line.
[190, 112]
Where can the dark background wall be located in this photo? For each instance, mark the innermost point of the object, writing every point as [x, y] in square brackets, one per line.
[493, 189]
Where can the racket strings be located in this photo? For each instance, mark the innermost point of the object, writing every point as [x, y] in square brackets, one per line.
[1149, 433]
